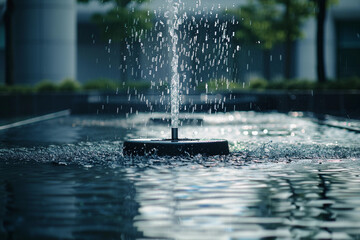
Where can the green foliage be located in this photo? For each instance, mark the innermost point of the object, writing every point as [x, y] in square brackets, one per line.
[304, 84]
[101, 84]
[258, 83]
[69, 85]
[122, 3]
[137, 85]
[293, 84]
[276, 85]
[17, 89]
[299, 85]
[120, 22]
[160, 86]
[269, 22]
[213, 86]
[349, 83]
[219, 85]
[105, 84]
[328, 2]
[130, 24]
[46, 86]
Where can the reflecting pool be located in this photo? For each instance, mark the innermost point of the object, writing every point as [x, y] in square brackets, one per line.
[286, 177]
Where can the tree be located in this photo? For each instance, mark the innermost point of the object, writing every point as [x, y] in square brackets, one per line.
[271, 22]
[259, 30]
[321, 6]
[122, 23]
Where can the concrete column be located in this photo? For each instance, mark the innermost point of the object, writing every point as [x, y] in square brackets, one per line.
[44, 40]
[306, 52]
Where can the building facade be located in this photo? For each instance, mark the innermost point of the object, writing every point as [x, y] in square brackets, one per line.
[57, 39]
[342, 43]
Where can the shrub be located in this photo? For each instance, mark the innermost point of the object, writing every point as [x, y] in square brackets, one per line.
[45, 86]
[69, 85]
[101, 84]
[342, 84]
[258, 83]
[3, 88]
[161, 86]
[276, 85]
[110, 85]
[353, 83]
[18, 89]
[138, 85]
[236, 86]
[219, 85]
[299, 85]
[349, 83]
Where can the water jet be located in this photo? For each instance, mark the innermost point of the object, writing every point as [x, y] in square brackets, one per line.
[175, 146]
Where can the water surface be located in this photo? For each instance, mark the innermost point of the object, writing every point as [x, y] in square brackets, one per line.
[286, 177]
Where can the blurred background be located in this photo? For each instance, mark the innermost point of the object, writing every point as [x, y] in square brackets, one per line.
[83, 40]
[69, 45]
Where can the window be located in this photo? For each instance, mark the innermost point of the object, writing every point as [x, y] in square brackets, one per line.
[348, 49]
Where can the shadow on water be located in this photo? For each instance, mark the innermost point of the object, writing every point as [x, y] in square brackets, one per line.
[44, 201]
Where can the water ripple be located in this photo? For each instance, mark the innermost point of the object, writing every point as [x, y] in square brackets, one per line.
[270, 186]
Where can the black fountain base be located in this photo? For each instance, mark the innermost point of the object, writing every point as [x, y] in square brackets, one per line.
[180, 147]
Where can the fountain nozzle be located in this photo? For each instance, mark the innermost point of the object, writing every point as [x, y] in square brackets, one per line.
[174, 134]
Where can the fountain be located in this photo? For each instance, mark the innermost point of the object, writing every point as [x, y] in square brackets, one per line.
[175, 146]
[288, 176]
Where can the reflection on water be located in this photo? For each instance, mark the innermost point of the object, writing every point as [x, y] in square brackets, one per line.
[302, 199]
[285, 178]
[284, 201]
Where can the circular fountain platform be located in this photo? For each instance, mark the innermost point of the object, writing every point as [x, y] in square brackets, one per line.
[168, 147]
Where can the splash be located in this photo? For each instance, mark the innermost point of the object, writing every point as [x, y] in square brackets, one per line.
[173, 26]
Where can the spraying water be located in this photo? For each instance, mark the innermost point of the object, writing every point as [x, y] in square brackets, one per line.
[173, 26]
